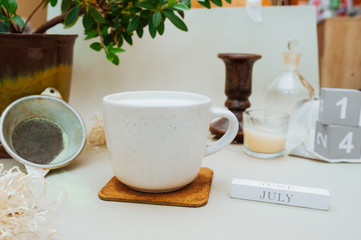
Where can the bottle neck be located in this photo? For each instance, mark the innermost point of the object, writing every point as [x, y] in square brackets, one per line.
[290, 68]
[291, 60]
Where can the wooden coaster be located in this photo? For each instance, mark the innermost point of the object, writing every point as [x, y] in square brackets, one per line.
[194, 194]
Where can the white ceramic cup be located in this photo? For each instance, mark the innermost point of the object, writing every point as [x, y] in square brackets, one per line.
[157, 139]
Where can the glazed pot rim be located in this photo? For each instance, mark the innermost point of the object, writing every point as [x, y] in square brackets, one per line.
[20, 40]
[37, 35]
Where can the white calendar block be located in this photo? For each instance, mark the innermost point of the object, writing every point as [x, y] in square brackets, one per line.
[340, 106]
[338, 142]
[280, 193]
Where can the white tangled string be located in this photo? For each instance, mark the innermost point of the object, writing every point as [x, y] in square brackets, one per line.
[24, 203]
[96, 136]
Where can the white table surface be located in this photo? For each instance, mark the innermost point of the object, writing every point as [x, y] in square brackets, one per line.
[84, 216]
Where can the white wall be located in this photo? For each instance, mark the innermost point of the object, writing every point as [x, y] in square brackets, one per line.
[187, 61]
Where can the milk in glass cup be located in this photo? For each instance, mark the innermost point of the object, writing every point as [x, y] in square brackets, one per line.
[265, 133]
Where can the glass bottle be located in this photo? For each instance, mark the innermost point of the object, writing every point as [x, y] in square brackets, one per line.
[289, 89]
[290, 92]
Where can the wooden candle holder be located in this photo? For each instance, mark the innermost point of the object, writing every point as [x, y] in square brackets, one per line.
[238, 89]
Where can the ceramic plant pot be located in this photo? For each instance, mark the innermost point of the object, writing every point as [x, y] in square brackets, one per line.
[29, 63]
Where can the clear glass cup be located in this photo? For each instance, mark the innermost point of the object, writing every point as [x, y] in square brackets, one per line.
[265, 132]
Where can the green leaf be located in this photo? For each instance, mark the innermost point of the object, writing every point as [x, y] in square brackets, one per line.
[140, 31]
[126, 3]
[133, 24]
[175, 20]
[96, 46]
[160, 28]
[135, 9]
[217, 2]
[71, 17]
[88, 22]
[116, 23]
[144, 14]
[114, 8]
[151, 28]
[96, 15]
[65, 5]
[10, 6]
[128, 38]
[110, 47]
[53, 2]
[5, 23]
[91, 34]
[115, 60]
[157, 2]
[171, 2]
[146, 5]
[187, 2]
[181, 7]
[117, 50]
[181, 13]
[205, 3]
[156, 18]
[110, 57]
[3, 28]
[18, 21]
[13, 5]
[144, 22]
[108, 39]
[125, 18]
[104, 30]
[120, 39]
[111, 54]
[6, 4]
[229, 1]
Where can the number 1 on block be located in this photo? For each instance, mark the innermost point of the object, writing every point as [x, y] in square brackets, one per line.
[343, 104]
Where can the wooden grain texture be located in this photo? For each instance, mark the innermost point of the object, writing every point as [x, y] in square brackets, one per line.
[340, 52]
[193, 195]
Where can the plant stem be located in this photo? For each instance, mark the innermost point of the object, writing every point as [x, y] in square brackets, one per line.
[31, 15]
[101, 38]
[11, 27]
[101, 3]
[59, 19]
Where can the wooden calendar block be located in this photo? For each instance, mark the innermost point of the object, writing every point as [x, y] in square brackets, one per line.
[340, 106]
[338, 142]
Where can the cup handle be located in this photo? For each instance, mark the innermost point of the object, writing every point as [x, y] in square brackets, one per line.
[230, 134]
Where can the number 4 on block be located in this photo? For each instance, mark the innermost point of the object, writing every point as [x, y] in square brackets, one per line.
[340, 106]
[336, 141]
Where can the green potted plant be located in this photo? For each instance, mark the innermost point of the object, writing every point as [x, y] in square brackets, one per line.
[33, 61]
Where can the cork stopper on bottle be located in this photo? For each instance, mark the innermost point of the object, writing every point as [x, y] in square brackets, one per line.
[292, 58]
